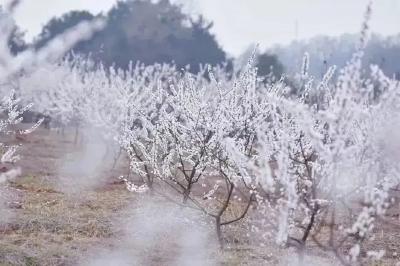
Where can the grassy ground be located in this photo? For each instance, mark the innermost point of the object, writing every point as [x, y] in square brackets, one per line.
[49, 227]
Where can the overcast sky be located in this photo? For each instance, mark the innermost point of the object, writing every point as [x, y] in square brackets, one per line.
[239, 23]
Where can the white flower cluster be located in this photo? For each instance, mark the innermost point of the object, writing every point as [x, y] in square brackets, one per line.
[304, 159]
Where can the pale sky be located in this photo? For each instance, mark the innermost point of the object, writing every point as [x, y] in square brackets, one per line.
[239, 23]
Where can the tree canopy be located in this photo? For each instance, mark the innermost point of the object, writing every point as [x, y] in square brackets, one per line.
[143, 31]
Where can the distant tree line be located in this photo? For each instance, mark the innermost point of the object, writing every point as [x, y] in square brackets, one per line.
[146, 31]
[326, 51]
[160, 32]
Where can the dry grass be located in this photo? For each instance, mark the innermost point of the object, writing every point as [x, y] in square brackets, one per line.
[49, 227]
[52, 229]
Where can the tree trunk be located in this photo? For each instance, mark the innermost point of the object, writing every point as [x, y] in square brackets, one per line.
[186, 193]
[116, 158]
[300, 252]
[219, 232]
[150, 184]
[76, 135]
